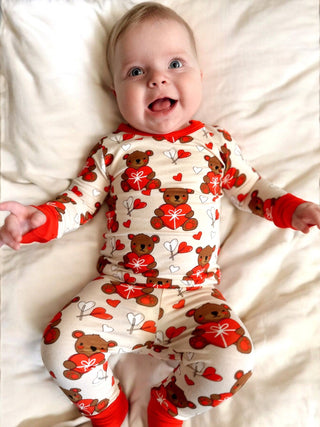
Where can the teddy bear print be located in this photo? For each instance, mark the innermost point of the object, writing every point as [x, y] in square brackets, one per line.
[200, 272]
[87, 216]
[216, 399]
[139, 259]
[59, 204]
[150, 345]
[87, 173]
[231, 177]
[171, 397]
[212, 181]
[90, 354]
[138, 175]
[260, 207]
[141, 294]
[52, 333]
[160, 282]
[102, 262]
[217, 328]
[175, 212]
[112, 223]
[86, 406]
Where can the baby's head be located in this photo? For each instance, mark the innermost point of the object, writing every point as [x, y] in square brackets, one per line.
[153, 63]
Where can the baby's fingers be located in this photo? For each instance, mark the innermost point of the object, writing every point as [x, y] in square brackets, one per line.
[302, 226]
[37, 219]
[10, 233]
[13, 207]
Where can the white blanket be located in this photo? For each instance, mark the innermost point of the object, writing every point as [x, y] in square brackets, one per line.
[260, 63]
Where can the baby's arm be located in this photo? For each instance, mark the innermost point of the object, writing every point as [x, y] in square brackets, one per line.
[20, 221]
[74, 207]
[305, 216]
[262, 198]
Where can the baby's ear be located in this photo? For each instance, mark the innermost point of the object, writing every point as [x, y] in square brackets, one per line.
[113, 91]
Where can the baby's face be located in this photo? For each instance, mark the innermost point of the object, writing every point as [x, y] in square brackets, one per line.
[157, 78]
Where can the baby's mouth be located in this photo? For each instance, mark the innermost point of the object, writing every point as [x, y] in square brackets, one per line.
[162, 104]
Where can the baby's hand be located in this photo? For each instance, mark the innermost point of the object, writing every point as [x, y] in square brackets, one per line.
[305, 216]
[21, 220]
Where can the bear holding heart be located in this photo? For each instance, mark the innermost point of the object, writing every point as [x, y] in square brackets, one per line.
[217, 328]
[90, 353]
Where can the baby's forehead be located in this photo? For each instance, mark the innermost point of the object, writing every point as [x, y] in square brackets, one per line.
[148, 23]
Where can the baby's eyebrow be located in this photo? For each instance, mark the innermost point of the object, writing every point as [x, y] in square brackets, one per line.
[166, 57]
[128, 64]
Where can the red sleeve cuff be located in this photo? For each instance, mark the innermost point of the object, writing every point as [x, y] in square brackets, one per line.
[47, 231]
[283, 210]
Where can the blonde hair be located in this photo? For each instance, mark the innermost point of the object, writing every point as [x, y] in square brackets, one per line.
[137, 15]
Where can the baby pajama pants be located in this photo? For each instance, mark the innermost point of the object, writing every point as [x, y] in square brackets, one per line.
[193, 326]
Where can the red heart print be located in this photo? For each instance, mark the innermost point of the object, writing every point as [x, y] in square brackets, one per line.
[127, 136]
[129, 279]
[119, 245]
[210, 145]
[241, 197]
[146, 192]
[101, 313]
[138, 204]
[127, 223]
[149, 326]
[173, 332]
[188, 380]
[210, 374]
[179, 304]
[197, 236]
[183, 248]
[113, 302]
[182, 154]
[76, 191]
[178, 177]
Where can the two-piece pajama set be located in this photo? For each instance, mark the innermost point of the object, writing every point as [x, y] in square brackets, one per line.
[156, 290]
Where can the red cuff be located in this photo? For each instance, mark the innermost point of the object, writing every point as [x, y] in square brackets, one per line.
[47, 231]
[283, 210]
[114, 414]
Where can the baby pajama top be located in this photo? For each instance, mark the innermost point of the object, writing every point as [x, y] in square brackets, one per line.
[163, 194]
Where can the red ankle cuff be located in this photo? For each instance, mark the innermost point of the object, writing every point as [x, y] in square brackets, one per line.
[114, 415]
[159, 417]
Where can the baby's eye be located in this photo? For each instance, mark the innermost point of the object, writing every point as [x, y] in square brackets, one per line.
[136, 71]
[176, 63]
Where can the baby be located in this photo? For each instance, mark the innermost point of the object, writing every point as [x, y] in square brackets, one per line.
[162, 176]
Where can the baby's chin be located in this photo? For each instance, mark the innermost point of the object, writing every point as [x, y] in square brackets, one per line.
[162, 128]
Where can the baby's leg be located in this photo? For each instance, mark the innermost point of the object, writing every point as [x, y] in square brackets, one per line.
[215, 352]
[79, 341]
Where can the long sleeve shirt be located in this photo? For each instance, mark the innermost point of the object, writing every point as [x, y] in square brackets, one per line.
[163, 194]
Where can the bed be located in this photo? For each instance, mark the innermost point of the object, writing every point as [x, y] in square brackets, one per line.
[261, 63]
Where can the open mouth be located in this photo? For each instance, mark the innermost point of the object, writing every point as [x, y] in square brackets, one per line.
[162, 104]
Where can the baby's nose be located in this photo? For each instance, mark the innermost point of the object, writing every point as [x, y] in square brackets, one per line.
[156, 83]
[157, 79]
